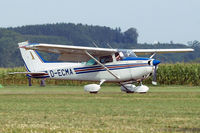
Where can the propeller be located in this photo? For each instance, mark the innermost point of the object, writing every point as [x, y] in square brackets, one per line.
[155, 64]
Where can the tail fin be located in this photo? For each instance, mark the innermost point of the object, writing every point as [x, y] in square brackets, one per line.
[31, 59]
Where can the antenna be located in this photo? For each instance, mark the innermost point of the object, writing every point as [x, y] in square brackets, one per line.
[108, 45]
[94, 44]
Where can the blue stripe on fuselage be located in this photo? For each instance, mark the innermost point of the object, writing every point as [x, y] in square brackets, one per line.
[134, 58]
[108, 66]
[99, 68]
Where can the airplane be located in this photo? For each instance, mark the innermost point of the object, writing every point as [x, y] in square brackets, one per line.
[122, 66]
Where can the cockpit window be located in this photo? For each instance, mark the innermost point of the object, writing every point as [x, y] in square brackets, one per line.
[128, 53]
[106, 59]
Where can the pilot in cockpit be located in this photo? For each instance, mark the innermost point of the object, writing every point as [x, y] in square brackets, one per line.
[119, 56]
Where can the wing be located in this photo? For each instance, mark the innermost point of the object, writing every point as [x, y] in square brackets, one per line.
[152, 51]
[78, 53]
[70, 53]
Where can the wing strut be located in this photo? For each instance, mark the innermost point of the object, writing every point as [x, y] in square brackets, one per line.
[152, 55]
[117, 77]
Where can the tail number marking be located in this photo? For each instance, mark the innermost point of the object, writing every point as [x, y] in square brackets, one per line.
[61, 72]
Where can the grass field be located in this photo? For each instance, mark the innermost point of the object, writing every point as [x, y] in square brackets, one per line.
[70, 109]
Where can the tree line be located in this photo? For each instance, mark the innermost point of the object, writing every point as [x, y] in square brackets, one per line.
[81, 35]
[78, 34]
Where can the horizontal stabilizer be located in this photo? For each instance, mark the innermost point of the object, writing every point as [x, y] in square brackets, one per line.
[39, 73]
[34, 74]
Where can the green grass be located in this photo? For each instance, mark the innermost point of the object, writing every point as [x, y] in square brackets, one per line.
[70, 109]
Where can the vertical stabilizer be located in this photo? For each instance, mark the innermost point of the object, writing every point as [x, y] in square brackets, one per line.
[31, 59]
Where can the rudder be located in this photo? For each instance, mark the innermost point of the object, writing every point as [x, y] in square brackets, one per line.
[31, 59]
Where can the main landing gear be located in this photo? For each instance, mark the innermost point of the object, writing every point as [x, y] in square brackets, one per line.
[130, 88]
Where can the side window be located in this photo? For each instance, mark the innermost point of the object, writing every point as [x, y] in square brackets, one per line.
[91, 62]
[106, 59]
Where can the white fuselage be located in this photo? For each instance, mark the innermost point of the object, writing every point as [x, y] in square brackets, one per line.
[126, 70]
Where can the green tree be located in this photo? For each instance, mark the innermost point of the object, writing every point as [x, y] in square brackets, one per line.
[130, 36]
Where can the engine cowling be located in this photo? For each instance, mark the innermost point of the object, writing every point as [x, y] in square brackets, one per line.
[92, 88]
[130, 88]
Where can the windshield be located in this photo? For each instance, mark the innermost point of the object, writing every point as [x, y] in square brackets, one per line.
[128, 53]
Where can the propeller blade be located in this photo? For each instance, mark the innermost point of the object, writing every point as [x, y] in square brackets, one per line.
[154, 82]
[155, 64]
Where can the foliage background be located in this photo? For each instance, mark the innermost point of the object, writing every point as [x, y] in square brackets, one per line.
[168, 74]
[81, 35]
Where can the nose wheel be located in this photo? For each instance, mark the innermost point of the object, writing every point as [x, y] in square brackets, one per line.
[94, 88]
